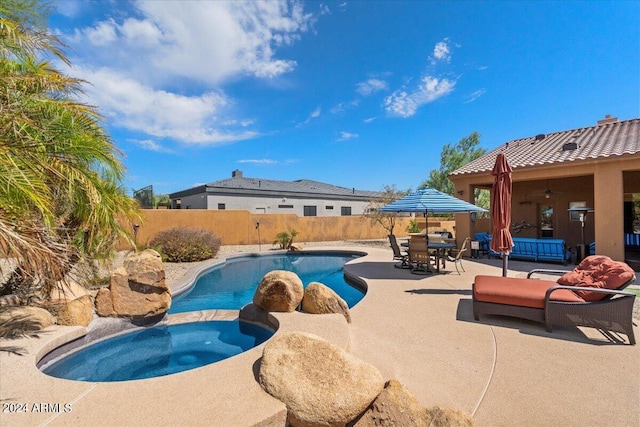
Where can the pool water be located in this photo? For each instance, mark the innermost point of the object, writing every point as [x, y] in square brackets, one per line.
[158, 351]
[233, 284]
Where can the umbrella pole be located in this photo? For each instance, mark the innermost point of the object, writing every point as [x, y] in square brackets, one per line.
[505, 262]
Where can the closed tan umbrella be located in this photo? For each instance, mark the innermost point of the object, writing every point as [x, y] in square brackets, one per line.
[501, 240]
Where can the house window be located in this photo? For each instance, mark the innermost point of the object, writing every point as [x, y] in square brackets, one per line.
[329, 208]
[345, 211]
[310, 211]
[285, 206]
[222, 206]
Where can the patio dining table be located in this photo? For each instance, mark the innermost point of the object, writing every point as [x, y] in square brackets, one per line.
[440, 249]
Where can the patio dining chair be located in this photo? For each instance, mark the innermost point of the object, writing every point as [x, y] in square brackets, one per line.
[398, 255]
[456, 254]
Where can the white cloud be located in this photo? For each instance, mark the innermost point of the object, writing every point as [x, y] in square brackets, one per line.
[148, 144]
[135, 58]
[475, 95]
[370, 119]
[405, 104]
[189, 119]
[259, 161]
[141, 32]
[344, 136]
[441, 51]
[315, 113]
[344, 106]
[324, 9]
[209, 41]
[69, 8]
[102, 34]
[371, 86]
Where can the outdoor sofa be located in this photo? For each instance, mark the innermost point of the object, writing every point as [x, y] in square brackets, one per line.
[590, 295]
[632, 241]
[532, 249]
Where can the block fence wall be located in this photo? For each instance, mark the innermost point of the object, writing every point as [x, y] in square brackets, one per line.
[240, 227]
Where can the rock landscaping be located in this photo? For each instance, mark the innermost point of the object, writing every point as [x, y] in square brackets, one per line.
[138, 289]
[279, 291]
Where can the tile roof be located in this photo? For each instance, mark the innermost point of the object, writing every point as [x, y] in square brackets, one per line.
[301, 187]
[595, 142]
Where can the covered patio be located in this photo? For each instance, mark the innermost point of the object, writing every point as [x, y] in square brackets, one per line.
[596, 167]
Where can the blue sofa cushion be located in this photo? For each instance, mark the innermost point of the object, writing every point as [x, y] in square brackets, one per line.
[529, 248]
[632, 240]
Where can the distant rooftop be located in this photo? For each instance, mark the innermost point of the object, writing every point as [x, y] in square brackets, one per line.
[609, 138]
[302, 187]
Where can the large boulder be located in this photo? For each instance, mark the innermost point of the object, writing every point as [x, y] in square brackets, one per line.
[320, 383]
[65, 291]
[103, 303]
[279, 291]
[77, 312]
[321, 299]
[19, 320]
[448, 417]
[394, 406]
[138, 289]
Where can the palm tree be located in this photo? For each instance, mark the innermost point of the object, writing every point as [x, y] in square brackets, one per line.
[60, 174]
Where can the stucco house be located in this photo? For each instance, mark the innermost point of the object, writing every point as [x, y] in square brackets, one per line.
[301, 197]
[595, 167]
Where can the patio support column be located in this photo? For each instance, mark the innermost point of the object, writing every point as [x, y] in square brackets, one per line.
[464, 226]
[608, 199]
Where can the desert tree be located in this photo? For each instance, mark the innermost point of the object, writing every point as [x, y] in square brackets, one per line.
[386, 219]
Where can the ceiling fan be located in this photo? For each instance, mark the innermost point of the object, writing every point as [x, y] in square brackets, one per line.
[547, 194]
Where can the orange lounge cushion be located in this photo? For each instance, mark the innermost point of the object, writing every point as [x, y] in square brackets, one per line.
[597, 271]
[517, 291]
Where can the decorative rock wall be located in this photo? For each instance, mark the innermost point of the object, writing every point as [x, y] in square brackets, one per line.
[137, 289]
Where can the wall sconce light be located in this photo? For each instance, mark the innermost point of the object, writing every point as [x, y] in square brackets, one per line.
[460, 192]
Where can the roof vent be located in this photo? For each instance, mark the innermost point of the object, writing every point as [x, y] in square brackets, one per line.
[540, 137]
[570, 146]
[236, 174]
[607, 119]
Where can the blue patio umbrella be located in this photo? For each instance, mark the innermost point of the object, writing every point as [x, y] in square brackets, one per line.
[429, 200]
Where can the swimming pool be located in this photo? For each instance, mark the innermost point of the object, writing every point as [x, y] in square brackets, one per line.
[232, 285]
[164, 350]
[158, 351]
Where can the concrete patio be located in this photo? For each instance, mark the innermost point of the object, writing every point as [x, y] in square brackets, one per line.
[416, 329]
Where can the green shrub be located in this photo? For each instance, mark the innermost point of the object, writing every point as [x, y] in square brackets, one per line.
[284, 239]
[183, 244]
[413, 227]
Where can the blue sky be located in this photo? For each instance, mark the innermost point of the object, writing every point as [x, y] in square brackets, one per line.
[358, 94]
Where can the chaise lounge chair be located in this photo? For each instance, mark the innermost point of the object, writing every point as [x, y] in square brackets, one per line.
[590, 295]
